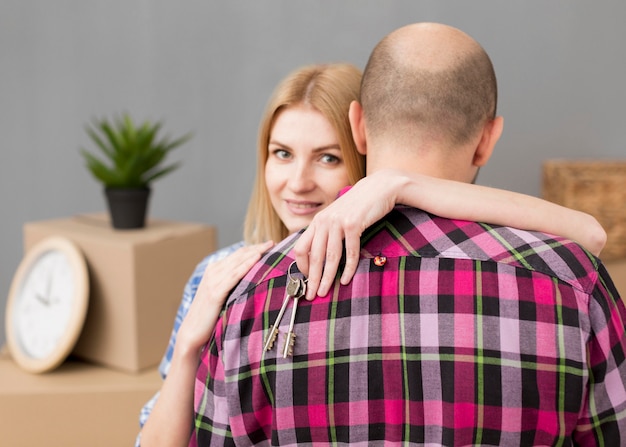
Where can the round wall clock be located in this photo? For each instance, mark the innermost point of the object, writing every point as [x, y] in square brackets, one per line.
[47, 304]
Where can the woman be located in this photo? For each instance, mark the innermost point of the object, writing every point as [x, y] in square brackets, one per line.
[305, 156]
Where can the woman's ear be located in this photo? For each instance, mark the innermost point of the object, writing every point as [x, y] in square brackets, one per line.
[491, 135]
[355, 115]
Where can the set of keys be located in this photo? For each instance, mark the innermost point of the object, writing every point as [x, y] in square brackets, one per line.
[296, 288]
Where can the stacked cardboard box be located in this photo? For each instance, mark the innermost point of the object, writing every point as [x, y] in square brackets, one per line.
[136, 283]
[78, 404]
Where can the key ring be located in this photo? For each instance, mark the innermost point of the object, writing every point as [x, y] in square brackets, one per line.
[304, 279]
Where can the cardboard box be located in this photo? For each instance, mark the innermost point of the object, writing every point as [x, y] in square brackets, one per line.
[77, 404]
[617, 270]
[137, 279]
[597, 187]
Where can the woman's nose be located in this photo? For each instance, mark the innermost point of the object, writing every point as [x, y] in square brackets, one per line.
[301, 179]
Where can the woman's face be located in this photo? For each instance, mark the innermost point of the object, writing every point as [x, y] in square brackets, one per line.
[305, 169]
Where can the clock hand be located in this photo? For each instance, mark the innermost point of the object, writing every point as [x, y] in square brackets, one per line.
[42, 299]
[48, 286]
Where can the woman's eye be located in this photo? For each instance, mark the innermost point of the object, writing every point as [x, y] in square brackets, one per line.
[281, 154]
[330, 159]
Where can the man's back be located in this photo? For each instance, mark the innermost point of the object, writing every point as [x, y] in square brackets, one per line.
[451, 333]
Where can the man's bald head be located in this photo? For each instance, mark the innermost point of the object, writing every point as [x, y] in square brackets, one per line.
[430, 82]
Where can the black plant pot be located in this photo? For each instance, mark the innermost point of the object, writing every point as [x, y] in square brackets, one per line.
[127, 207]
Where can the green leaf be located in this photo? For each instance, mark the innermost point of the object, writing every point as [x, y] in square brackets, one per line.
[162, 172]
[133, 154]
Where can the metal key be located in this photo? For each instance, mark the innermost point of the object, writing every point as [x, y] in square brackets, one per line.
[290, 336]
[273, 333]
[295, 289]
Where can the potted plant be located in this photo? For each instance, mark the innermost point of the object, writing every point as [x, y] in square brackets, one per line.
[132, 158]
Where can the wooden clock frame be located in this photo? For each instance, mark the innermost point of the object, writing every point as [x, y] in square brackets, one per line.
[71, 332]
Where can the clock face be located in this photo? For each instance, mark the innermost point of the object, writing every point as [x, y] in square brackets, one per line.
[47, 304]
[44, 304]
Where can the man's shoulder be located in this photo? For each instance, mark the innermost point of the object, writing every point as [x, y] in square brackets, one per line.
[274, 263]
[419, 233]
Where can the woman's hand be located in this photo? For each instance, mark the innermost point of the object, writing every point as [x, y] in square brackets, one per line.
[172, 416]
[320, 248]
[217, 282]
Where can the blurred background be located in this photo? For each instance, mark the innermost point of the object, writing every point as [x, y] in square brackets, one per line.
[210, 66]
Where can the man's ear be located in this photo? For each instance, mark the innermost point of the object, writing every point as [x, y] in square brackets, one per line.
[355, 115]
[490, 136]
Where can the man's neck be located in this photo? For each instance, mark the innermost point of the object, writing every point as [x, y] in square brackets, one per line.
[424, 165]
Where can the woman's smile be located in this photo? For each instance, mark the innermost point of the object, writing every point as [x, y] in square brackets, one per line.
[304, 170]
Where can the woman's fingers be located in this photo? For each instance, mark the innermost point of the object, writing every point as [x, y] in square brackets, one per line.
[243, 260]
[320, 248]
[221, 276]
[316, 259]
[353, 251]
[302, 248]
[333, 250]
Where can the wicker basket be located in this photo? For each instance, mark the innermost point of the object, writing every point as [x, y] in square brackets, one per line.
[595, 187]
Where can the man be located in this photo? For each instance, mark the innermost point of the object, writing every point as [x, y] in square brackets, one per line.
[451, 332]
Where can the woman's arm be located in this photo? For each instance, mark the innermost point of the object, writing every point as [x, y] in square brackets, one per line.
[171, 420]
[319, 249]
[189, 293]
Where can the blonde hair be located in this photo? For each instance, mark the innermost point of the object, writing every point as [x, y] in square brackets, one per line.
[329, 88]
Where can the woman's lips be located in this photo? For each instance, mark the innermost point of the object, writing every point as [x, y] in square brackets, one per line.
[302, 208]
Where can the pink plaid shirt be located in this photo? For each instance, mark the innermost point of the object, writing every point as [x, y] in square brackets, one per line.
[451, 333]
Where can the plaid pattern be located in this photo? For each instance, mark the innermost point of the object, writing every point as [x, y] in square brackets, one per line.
[466, 334]
[188, 294]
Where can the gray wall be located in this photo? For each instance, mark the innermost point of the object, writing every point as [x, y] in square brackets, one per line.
[209, 66]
